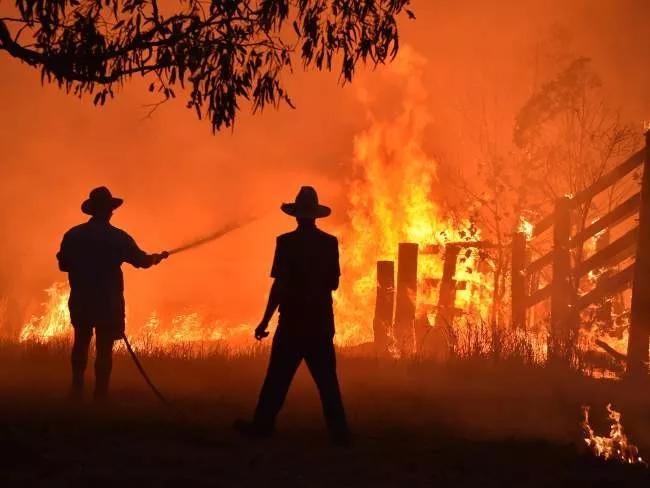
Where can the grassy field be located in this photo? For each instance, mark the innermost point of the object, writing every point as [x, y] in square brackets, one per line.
[416, 423]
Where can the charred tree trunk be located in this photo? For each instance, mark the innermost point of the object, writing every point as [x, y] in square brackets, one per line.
[405, 298]
[518, 280]
[384, 305]
[637, 350]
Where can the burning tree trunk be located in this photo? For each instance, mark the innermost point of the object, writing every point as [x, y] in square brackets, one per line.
[384, 305]
[406, 294]
[640, 323]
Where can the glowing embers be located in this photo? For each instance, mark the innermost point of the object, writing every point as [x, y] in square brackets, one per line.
[615, 446]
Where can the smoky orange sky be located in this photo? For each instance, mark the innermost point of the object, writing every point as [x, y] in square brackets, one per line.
[478, 60]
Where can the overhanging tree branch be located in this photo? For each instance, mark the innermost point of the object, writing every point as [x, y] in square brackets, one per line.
[225, 51]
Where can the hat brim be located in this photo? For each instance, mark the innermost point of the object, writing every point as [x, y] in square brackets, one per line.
[317, 212]
[91, 207]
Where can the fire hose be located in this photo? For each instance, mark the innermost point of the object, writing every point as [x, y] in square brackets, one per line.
[185, 247]
[143, 372]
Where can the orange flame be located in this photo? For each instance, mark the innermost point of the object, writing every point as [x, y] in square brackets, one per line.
[54, 323]
[616, 445]
[184, 329]
[392, 201]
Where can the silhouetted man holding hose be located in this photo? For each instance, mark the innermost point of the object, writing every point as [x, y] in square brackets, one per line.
[92, 254]
[305, 271]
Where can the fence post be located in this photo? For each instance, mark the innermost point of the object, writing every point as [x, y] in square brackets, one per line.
[637, 349]
[405, 296]
[518, 280]
[384, 305]
[561, 289]
[447, 293]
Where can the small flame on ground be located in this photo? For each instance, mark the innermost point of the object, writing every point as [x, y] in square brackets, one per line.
[615, 446]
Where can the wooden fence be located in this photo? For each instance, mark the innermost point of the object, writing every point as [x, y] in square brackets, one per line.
[565, 303]
[399, 323]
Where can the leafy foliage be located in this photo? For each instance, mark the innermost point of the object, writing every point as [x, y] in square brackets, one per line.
[569, 132]
[556, 96]
[222, 50]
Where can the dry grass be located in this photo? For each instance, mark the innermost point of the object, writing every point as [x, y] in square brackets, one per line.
[480, 421]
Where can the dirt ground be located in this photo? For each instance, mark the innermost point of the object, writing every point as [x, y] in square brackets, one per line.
[473, 423]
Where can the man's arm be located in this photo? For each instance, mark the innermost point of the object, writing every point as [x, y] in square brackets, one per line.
[136, 257]
[271, 306]
[278, 271]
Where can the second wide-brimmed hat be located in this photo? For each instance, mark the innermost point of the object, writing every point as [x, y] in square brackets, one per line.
[100, 200]
[306, 205]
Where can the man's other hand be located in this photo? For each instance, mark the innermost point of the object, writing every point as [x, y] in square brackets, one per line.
[261, 332]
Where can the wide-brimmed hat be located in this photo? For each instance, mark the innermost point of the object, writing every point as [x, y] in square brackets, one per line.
[306, 205]
[100, 200]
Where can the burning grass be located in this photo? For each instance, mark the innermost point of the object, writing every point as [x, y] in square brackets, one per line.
[190, 336]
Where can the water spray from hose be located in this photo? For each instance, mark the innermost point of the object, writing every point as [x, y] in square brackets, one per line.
[226, 229]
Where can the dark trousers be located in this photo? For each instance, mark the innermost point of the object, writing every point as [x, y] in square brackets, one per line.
[286, 356]
[103, 360]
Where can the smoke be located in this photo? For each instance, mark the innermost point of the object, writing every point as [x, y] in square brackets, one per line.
[481, 63]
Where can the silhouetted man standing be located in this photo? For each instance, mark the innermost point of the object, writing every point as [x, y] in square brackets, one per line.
[92, 254]
[305, 271]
